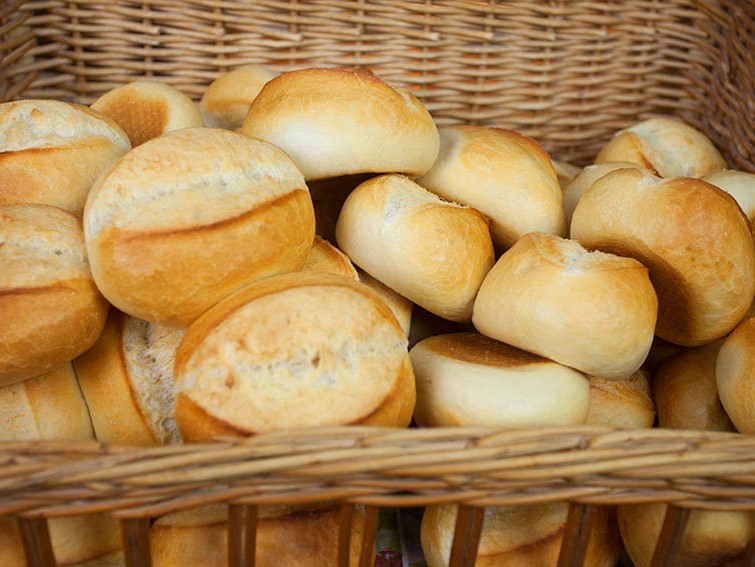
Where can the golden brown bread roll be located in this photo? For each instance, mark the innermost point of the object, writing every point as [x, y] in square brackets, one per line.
[185, 219]
[326, 258]
[50, 308]
[693, 238]
[338, 122]
[665, 146]
[735, 368]
[432, 252]
[226, 101]
[738, 184]
[626, 404]
[148, 109]
[39, 137]
[592, 311]
[469, 380]
[506, 176]
[400, 306]
[295, 350]
[584, 180]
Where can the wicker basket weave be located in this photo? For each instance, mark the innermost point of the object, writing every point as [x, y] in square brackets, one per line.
[568, 73]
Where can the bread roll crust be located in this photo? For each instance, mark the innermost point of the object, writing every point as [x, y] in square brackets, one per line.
[735, 368]
[626, 404]
[326, 258]
[226, 101]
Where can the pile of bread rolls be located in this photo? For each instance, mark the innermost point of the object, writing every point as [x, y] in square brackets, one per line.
[265, 259]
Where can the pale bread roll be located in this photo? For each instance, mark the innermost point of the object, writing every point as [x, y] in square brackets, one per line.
[519, 536]
[295, 350]
[738, 184]
[161, 224]
[565, 172]
[469, 380]
[592, 311]
[148, 109]
[338, 122]
[693, 238]
[400, 306]
[506, 176]
[684, 389]
[127, 380]
[626, 404]
[584, 180]
[432, 252]
[664, 146]
[735, 376]
[326, 258]
[52, 152]
[710, 538]
[50, 308]
[226, 101]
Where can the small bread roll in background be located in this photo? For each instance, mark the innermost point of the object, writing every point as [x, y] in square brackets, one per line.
[735, 376]
[469, 380]
[565, 172]
[665, 146]
[148, 109]
[402, 308]
[295, 350]
[592, 311]
[336, 122]
[432, 252]
[185, 219]
[127, 380]
[738, 184]
[325, 258]
[584, 180]
[685, 393]
[52, 152]
[506, 176]
[50, 308]
[626, 404]
[226, 101]
[693, 238]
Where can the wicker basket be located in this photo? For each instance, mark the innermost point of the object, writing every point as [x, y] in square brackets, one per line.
[568, 73]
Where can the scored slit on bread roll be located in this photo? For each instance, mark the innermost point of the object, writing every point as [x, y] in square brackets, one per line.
[692, 236]
[51, 152]
[226, 101]
[626, 404]
[592, 311]
[50, 308]
[294, 350]
[467, 379]
[127, 380]
[185, 219]
[432, 252]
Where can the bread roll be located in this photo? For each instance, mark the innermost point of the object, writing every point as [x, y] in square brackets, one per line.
[469, 380]
[667, 147]
[584, 180]
[127, 380]
[425, 325]
[684, 388]
[660, 352]
[592, 311]
[735, 368]
[506, 176]
[226, 101]
[148, 109]
[185, 219]
[50, 308]
[693, 238]
[326, 258]
[711, 539]
[296, 350]
[738, 184]
[519, 536]
[625, 404]
[432, 252]
[52, 152]
[399, 305]
[337, 122]
[565, 172]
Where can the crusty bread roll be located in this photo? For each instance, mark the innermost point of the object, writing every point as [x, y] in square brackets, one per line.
[401, 306]
[506, 176]
[51, 152]
[226, 101]
[432, 252]
[127, 380]
[735, 368]
[684, 389]
[337, 122]
[187, 218]
[50, 308]
[626, 404]
[584, 180]
[710, 538]
[148, 109]
[326, 258]
[295, 350]
[519, 536]
[665, 146]
[693, 238]
[738, 184]
[592, 311]
[565, 172]
[469, 380]
[301, 539]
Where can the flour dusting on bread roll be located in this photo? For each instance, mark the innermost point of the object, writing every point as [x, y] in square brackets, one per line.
[52, 152]
[185, 219]
[226, 101]
[626, 404]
